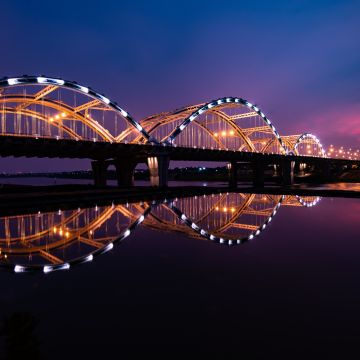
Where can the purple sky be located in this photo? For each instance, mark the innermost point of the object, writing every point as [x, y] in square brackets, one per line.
[298, 60]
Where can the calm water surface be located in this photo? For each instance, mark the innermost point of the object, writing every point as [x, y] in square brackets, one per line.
[167, 286]
[46, 181]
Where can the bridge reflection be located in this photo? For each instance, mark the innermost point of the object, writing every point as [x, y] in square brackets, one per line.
[58, 240]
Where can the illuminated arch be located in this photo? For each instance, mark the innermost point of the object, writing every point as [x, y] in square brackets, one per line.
[153, 122]
[53, 83]
[141, 132]
[211, 106]
[59, 125]
[314, 139]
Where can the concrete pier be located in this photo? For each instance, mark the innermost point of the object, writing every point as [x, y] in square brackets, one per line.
[158, 168]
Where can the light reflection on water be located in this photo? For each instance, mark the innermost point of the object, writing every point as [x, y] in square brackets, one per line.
[47, 181]
[294, 285]
[61, 239]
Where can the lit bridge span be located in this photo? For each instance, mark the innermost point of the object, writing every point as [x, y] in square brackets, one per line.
[62, 238]
[55, 118]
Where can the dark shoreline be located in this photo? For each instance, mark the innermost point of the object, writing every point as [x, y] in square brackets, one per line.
[17, 199]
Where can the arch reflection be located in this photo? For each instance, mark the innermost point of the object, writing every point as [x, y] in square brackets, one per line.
[58, 240]
[229, 218]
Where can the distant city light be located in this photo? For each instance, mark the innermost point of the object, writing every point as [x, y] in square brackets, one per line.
[343, 153]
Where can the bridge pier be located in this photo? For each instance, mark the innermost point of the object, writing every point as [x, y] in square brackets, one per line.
[233, 169]
[258, 173]
[287, 170]
[276, 170]
[99, 168]
[125, 169]
[325, 171]
[300, 168]
[158, 169]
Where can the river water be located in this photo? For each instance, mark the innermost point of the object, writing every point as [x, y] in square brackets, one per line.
[230, 273]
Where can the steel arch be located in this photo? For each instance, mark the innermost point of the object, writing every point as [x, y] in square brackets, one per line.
[43, 80]
[312, 137]
[219, 102]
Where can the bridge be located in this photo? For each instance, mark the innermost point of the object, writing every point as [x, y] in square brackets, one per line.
[54, 118]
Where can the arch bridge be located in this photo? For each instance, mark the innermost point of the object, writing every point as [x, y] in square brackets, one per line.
[50, 117]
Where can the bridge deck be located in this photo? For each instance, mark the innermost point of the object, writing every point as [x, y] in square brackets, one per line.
[52, 148]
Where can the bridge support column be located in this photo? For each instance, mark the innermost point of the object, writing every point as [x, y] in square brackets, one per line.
[300, 168]
[276, 170]
[258, 173]
[326, 173]
[233, 169]
[287, 172]
[158, 168]
[99, 168]
[125, 169]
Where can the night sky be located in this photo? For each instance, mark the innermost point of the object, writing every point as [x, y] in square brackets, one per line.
[298, 60]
